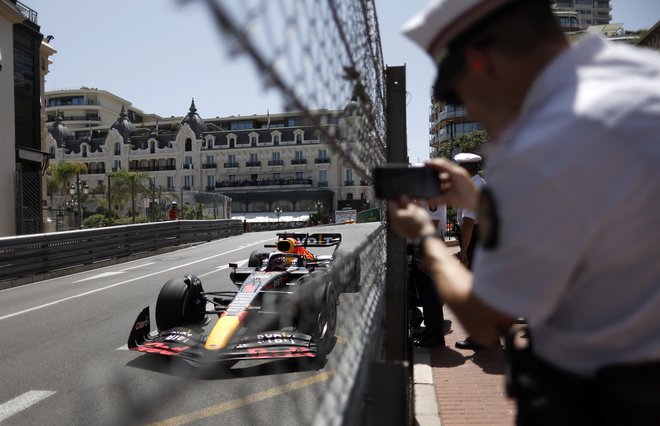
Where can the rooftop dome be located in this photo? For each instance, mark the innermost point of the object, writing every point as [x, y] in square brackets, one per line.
[195, 122]
[59, 131]
[123, 125]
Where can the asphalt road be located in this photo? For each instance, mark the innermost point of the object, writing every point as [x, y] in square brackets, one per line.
[63, 359]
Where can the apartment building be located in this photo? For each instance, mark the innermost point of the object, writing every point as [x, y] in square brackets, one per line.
[23, 64]
[262, 162]
[590, 12]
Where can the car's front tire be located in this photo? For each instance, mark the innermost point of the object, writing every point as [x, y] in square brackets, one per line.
[180, 303]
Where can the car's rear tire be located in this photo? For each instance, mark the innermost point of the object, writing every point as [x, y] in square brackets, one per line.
[256, 258]
[180, 303]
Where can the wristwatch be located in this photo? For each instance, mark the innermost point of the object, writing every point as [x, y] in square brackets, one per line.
[419, 242]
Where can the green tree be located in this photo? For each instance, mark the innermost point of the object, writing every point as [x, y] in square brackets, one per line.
[470, 142]
[62, 173]
[126, 186]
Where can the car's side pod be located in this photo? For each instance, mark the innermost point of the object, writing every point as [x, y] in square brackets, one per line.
[140, 330]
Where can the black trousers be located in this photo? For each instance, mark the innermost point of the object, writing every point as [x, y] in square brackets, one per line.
[617, 395]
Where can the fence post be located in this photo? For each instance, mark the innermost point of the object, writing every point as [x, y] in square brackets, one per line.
[397, 348]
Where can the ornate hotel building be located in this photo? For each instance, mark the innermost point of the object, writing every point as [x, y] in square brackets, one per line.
[263, 163]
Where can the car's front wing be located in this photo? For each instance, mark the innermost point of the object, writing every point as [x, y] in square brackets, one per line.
[188, 344]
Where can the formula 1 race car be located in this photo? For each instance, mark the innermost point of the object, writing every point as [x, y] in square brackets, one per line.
[285, 307]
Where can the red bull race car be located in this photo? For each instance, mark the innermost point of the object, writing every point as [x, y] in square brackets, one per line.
[285, 307]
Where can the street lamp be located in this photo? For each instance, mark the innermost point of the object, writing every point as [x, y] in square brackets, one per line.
[76, 200]
[278, 212]
[319, 205]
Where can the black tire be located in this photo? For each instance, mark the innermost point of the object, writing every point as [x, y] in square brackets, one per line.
[256, 258]
[318, 315]
[179, 304]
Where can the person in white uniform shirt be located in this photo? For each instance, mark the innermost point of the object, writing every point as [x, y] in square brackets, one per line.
[466, 218]
[575, 135]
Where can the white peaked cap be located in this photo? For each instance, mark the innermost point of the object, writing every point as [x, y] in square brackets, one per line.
[435, 27]
[467, 157]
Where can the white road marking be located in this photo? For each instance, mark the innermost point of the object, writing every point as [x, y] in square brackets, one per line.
[76, 296]
[223, 267]
[22, 402]
[122, 348]
[111, 273]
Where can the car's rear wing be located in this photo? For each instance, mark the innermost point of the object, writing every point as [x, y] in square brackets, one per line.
[311, 240]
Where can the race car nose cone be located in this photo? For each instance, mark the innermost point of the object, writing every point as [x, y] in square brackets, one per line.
[222, 332]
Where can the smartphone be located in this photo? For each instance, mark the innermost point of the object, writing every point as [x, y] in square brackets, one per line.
[394, 180]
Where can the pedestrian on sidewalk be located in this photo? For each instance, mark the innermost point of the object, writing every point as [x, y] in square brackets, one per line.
[575, 154]
[468, 222]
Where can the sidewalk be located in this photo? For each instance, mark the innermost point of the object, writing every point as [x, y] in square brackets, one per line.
[460, 387]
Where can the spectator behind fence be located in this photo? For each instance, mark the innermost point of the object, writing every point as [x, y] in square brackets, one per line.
[172, 213]
[433, 332]
[575, 156]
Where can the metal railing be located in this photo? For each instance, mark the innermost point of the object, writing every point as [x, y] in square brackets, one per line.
[39, 256]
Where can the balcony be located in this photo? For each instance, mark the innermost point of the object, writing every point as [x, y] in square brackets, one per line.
[322, 160]
[27, 13]
[299, 161]
[276, 162]
[188, 166]
[322, 184]
[231, 165]
[253, 164]
[349, 183]
[186, 187]
[262, 182]
[210, 166]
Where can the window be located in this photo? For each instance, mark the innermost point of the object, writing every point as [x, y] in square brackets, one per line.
[210, 159]
[298, 155]
[254, 158]
[84, 150]
[210, 181]
[209, 142]
[232, 178]
[116, 166]
[117, 148]
[52, 152]
[241, 125]
[299, 138]
[231, 159]
[187, 182]
[188, 144]
[277, 156]
[187, 162]
[349, 177]
[152, 147]
[323, 154]
[276, 140]
[232, 141]
[170, 182]
[323, 176]
[253, 141]
[299, 176]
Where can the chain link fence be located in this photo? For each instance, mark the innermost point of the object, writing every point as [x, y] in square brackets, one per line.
[317, 55]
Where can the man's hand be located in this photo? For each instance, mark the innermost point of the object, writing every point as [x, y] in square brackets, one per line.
[456, 184]
[408, 219]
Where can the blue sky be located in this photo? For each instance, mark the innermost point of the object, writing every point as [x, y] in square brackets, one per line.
[159, 54]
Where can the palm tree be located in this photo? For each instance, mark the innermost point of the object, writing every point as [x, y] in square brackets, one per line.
[125, 184]
[62, 173]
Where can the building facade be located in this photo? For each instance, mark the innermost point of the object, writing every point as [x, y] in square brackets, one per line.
[590, 12]
[263, 163]
[24, 62]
